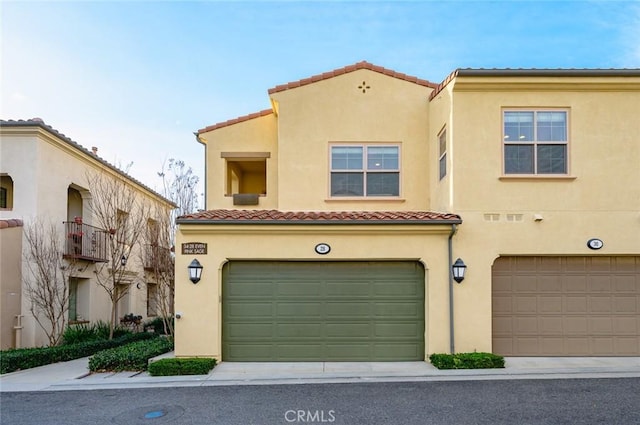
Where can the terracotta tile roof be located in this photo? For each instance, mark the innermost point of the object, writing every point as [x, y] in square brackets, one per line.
[351, 68]
[319, 217]
[5, 224]
[235, 121]
[38, 122]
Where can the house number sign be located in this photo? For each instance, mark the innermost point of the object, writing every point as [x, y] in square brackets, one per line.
[323, 248]
[194, 248]
[595, 243]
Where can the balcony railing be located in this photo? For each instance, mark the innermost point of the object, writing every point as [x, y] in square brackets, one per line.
[157, 258]
[85, 242]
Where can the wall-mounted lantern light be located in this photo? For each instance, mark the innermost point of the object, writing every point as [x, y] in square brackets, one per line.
[123, 261]
[459, 268]
[195, 271]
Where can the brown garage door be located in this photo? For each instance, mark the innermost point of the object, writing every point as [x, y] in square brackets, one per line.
[566, 306]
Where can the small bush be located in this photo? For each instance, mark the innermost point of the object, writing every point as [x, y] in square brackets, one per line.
[91, 332]
[157, 325]
[26, 358]
[467, 361]
[187, 366]
[134, 356]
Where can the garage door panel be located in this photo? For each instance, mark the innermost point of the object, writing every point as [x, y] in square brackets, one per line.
[526, 304]
[550, 304]
[250, 309]
[575, 283]
[336, 310]
[600, 304]
[250, 287]
[396, 289]
[626, 304]
[596, 312]
[550, 325]
[398, 309]
[600, 283]
[316, 311]
[397, 330]
[575, 325]
[349, 288]
[576, 304]
[626, 284]
[299, 309]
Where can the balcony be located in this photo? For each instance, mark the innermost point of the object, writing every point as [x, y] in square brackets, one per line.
[157, 258]
[85, 242]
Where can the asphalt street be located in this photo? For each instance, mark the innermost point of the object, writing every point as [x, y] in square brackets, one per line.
[565, 401]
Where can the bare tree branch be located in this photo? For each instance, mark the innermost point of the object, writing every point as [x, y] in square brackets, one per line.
[47, 283]
[118, 208]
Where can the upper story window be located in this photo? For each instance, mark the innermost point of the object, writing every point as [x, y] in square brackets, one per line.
[442, 153]
[365, 170]
[6, 192]
[535, 141]
[246, 176]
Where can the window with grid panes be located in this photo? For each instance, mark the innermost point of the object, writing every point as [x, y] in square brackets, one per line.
[535, 141]
[365, 170]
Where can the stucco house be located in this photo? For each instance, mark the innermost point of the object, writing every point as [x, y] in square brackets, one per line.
[333, 219]
[45, 177]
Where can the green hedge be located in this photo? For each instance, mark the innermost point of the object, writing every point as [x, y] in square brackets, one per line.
[26, 358]
[187, 366]
[467, 361]
[134, 356]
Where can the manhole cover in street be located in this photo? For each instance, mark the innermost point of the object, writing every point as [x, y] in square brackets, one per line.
[150, 415]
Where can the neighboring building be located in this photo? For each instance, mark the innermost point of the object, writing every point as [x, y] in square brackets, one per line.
[333, 219]
[44, 176]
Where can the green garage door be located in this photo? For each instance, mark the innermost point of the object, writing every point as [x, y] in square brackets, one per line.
[323, 311]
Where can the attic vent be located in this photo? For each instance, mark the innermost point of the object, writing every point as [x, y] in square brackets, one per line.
[364, 87]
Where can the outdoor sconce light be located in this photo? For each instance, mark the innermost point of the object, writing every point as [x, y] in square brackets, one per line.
[459, 268]
[123, 261]
[195, 271]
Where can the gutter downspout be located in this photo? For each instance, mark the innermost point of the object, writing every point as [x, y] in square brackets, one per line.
[454, 229]
[199, 140]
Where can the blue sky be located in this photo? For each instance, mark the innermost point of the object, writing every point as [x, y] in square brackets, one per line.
[136, 79]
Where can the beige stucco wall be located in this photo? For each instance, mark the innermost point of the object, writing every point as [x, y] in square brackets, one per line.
[600, 198]
[10, 283]
[336, 110]
[41, 192]
[198, 331]
[255, 135]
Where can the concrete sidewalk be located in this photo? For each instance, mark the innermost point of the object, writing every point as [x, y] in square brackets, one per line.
[74, 375]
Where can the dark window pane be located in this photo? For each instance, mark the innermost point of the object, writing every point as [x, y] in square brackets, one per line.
[518, 126]
[383, 184]
[552, 159]
[518, 159]
[347, 184]
[346, 158]
[443, 166]
[382, 158]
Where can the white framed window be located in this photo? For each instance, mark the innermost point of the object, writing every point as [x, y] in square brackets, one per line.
[442, 153]
[535, 141]
[365, 170]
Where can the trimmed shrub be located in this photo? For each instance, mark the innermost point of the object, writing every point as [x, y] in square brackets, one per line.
[74, 334]
[467, 361]
[134, 356]
[157, 325]
[26, 358]
[186, 366]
